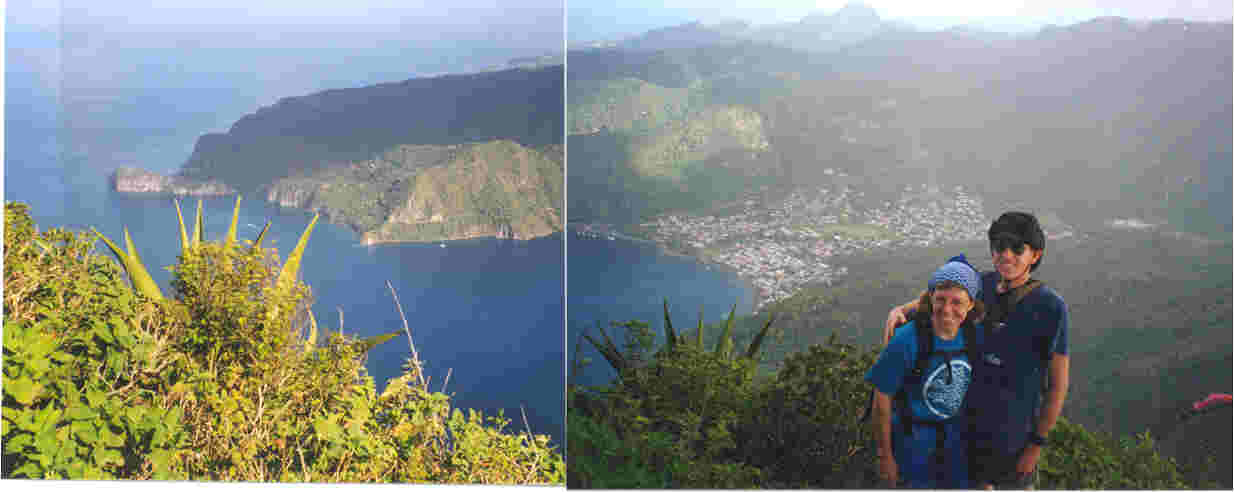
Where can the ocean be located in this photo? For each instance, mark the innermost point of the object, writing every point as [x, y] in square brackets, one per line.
[490, 312]
[620, 280]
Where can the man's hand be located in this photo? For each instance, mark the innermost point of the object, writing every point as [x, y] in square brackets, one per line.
[1028, 461]
[887, 471]
[895, 319]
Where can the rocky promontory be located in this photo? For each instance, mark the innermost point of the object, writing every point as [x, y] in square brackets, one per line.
[437, 192]
[134, 180]
[301, 135]
[427, 159]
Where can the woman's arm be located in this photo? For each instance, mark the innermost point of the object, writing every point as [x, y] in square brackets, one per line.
[887, 469]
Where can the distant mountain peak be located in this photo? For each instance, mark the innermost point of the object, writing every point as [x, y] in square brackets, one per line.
[852, 13]
[856, 11]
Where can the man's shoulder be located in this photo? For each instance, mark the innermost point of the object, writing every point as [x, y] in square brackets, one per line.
[1047, 298]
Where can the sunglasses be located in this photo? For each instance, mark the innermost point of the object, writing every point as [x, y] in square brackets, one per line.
[1015, 244]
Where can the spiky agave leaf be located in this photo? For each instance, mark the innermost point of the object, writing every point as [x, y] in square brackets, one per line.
[198, 227]
[287, 277]
[700, 327]
[752, 351]
[262, 235]
[725, 341]
[670, 335]
[138, 276]
[137, 271]
[609, 351]
[184, 236]
[231, 231]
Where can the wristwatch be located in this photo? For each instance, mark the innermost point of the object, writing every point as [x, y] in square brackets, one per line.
[1036, 439]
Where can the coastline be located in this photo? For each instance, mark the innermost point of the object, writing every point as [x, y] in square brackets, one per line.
[598, 231]
[364, 238]
[377, 242]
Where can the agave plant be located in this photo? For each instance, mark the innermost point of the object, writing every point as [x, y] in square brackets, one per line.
[143, 283]
[672, 341]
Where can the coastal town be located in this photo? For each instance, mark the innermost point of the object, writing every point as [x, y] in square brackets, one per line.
[779, 245]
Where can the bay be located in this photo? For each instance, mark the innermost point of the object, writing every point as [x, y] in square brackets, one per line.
[620, 280]
[488, 312]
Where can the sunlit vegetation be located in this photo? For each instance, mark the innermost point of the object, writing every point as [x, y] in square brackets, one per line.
[223, 378]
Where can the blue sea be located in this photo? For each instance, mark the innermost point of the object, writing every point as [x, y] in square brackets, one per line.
[621, 280]
[488, 312]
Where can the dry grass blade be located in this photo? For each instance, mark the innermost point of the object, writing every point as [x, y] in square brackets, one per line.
[525, 424]
[415, 356]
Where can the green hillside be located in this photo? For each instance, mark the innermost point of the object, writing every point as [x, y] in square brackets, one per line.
[626, 104]
[433, 193]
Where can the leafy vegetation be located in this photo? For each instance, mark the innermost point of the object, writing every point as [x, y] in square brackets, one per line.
[687, 417]
[626, 104]
[432, 192]
[218, 381]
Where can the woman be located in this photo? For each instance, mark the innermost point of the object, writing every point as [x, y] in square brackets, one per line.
[925, 369]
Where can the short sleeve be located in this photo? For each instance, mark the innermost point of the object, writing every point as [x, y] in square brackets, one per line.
[887, 374]
[1059, 343]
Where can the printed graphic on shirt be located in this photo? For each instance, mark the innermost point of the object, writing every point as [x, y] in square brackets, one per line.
[942, 399]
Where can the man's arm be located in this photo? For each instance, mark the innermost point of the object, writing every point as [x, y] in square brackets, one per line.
[897, 317]
[1053, 406]
[1050, 411]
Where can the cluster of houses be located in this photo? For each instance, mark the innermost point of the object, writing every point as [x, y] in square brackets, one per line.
[781, 245]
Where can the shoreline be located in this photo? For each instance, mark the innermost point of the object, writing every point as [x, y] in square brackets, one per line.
[378, 242]
[362, 241]
[696, 255]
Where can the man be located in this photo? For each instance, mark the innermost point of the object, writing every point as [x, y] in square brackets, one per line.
[1019, 343]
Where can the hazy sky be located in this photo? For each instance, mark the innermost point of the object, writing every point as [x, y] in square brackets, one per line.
[136, 14]
[598, 18]
[287, 46]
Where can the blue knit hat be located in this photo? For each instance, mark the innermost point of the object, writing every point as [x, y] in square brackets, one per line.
[958, 270]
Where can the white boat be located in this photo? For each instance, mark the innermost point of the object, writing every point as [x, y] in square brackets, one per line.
[443, 245]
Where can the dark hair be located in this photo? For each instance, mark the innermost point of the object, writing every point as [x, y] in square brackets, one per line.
[925, 309]
[1022, 225]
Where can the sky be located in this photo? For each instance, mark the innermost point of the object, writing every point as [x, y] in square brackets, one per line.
[598, 19]
[139, 14]
[281, 47]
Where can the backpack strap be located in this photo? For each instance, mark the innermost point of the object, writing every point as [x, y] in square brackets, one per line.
[1007, 302]
[1003, 309]
[924, 334]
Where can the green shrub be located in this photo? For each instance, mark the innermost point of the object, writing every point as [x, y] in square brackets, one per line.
[803, 427]
[599, 458]
[216, 382]
[1079, 459]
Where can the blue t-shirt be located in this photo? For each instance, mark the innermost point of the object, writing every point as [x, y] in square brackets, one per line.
[1006, 390]
[937, 398]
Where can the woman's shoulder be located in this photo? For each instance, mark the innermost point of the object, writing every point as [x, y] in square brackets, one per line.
[905, 336]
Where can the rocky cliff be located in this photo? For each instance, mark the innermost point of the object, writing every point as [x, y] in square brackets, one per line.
[133, 180]
[435, 192]
[301, 135]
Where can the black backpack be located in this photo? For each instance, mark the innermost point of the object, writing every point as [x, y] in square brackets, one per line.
[915, 377]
